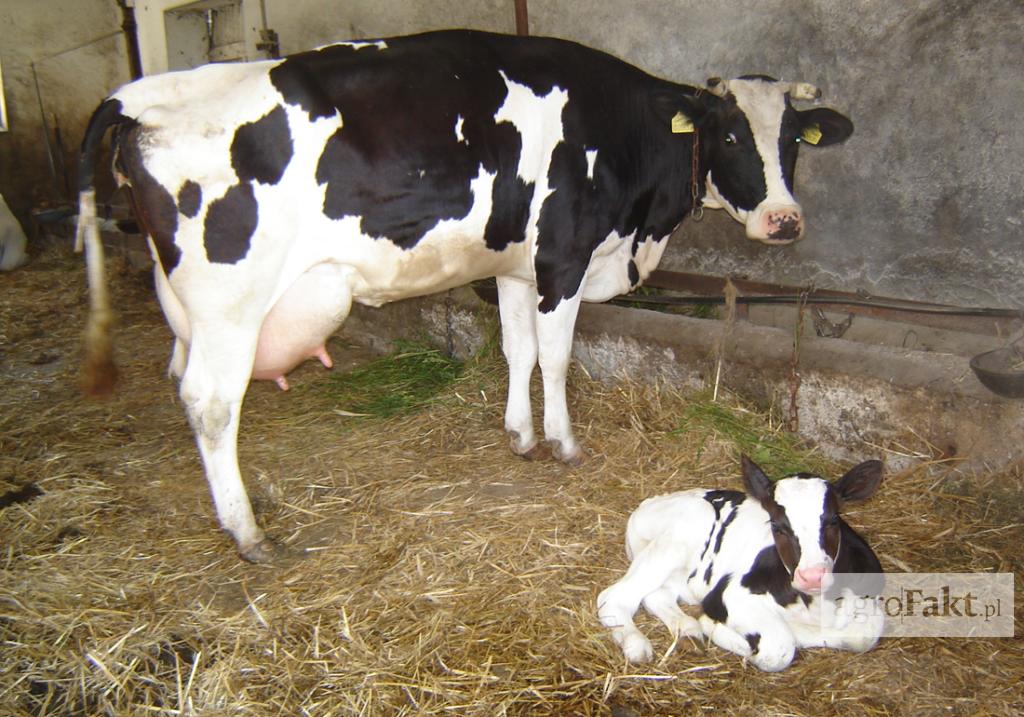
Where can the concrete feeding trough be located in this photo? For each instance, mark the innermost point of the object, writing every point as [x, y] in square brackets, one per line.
[891, 387]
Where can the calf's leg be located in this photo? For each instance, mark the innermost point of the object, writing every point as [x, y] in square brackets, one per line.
[752, 630]
[651, 568]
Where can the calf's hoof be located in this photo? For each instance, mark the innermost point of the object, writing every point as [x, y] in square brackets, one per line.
[263, 551]
[636, 648]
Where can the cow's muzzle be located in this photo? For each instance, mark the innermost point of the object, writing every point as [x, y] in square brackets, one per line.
[776, 225]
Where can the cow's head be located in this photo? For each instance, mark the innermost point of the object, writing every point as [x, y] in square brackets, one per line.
[751, 133]
[805, 521]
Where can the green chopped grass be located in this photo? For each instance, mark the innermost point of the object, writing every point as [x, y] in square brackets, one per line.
[778, 452]
[396, 384]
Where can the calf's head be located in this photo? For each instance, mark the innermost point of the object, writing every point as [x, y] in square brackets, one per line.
[805, 521]
[752, 133]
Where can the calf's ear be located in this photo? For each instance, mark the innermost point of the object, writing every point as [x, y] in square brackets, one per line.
[860, 482]
[758, 484]
[821, 126]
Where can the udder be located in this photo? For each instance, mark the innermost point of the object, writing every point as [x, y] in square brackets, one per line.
[299, 324]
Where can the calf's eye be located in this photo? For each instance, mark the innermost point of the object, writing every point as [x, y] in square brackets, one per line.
[730, 138]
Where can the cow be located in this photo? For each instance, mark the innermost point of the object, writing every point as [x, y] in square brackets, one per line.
[276, 193]
[762, 564]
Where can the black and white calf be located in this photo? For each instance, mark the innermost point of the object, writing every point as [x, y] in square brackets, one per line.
[759, 563]
[276, 193]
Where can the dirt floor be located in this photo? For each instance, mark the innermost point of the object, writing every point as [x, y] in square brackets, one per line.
[429, 571]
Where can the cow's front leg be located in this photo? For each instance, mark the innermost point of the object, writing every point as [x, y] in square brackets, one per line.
[214, 383]
[517, 306]
[554, 343]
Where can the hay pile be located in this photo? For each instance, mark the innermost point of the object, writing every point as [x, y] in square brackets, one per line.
[431, 572]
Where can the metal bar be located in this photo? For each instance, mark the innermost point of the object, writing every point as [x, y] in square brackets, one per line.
[522, 18]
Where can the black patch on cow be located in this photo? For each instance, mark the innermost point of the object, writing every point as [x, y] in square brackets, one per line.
[262, 149]
[634, 273]
[736, 167]
[713, 603]
[769, 575]
[754, 640]
[190, 198]
[298, 86]
[857, 558]
[154, 206]
[230, 224]
[719, 499]
[721, 531]
[566, 236]
[510, 198]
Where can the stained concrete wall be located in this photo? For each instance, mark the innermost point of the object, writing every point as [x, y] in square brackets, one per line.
[79, 54]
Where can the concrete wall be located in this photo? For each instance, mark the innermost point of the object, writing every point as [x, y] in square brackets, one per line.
[923, 202]
[71, 83]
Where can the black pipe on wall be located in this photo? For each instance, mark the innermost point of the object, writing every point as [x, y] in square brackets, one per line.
[131, 36]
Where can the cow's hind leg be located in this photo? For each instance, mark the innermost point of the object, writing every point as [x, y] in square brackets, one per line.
[220, 361]
[664, 605]
[651, 568]
[517, 305]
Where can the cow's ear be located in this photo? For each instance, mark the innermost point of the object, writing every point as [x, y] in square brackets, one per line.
[821, 126]
[758, 484]
[860, 482]
[680, 113]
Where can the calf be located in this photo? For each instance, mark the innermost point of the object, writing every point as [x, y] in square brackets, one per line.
[275, 194]
[759, 563]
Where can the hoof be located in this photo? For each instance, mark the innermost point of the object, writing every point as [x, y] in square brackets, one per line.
[539, 452]
[265, 551]
[535, 452]
[574, 457]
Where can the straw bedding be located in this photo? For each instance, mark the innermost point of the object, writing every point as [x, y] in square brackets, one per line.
[428, 572]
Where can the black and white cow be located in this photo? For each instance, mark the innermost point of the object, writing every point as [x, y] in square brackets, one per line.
[276, 193]
[761, 564]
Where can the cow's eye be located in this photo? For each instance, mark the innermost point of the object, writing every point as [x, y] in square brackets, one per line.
[730, 138]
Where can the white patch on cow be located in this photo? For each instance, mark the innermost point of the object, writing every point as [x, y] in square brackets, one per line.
[539, 123]
[458, 128]
[591, 158]
[355, 44]
[608, 273]
[12, 239]
[804, 500]
[763, 103]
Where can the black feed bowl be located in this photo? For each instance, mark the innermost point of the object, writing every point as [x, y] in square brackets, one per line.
[1001, 371]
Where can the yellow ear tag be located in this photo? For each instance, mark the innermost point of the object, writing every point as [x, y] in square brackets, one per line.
[811, 134]
[681, 124]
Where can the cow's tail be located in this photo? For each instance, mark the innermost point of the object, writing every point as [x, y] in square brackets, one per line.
[99, 374]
